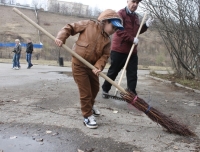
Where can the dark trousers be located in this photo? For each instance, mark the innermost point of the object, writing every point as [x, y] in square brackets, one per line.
[118, 61]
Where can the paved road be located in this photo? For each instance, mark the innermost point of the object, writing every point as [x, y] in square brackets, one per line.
[40, 111]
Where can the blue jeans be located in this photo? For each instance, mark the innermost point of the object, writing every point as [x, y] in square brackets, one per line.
[16, 62]
[28, 59]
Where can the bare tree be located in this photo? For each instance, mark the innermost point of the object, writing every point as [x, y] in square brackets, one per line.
[11, 2]
[89, 12]
[69, 9]
[80, 10]
[63, 9]
[76, 8]
[179, 26]
[3, 1]
[54, 7]
[35, 4]
[7, 2]
[97, 11]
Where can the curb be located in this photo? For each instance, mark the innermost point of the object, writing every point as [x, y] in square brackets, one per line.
[176, 84]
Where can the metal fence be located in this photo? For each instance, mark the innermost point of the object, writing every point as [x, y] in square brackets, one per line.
[37, 46]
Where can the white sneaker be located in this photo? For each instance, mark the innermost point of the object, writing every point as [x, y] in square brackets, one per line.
[16, 68]
[95, 111]
[90, 122]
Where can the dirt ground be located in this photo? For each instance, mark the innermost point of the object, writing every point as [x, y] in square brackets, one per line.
[40, 111]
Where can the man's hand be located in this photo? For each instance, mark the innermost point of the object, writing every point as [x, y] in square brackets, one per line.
[136, 40]
[149, 22]
[58, 42]
[96, 71]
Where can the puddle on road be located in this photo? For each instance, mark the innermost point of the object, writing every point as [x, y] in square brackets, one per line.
[22, 144]
[65, 139]
[69, 74]
[192, 103]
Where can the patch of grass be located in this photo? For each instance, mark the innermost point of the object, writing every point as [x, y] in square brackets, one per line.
[160, 58]
[154, 68]
[192, 83]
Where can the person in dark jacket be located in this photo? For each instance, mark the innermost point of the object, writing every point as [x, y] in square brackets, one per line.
[122, 42]
[17, 54]
[29, 50]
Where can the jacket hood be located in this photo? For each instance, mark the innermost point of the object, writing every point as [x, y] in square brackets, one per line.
[109, 14]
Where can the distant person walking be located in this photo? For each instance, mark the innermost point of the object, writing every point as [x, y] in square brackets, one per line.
[17, 53]
[29, 50]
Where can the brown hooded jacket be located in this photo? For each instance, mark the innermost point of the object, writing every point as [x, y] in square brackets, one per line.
[93, 43]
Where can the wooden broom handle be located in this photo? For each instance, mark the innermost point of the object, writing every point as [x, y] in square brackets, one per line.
[130, 53]
[69, 50]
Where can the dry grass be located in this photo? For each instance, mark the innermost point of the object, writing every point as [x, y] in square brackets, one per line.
[18, 26]
[192, 83]
[154, 68]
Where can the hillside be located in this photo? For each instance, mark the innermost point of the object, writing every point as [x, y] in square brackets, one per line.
[151, 48]
[15, 25]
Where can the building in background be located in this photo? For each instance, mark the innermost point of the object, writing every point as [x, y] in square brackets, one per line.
[68, 8]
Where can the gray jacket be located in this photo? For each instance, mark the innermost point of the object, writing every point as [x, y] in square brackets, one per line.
[17, 49]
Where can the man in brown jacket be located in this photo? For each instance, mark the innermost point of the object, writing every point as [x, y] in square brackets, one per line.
[93, 45]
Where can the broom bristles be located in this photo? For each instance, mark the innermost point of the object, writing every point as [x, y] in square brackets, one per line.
[168, 123]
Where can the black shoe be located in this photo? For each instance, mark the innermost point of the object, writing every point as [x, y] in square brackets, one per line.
[30, 66]
[105, 95]
[134, 92]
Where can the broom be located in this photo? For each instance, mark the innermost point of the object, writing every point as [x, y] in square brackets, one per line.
[171, 125]
[129, 55]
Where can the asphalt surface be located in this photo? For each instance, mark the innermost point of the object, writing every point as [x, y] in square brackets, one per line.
[40, 111]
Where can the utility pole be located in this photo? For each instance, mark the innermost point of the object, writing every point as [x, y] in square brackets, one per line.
[36, 14]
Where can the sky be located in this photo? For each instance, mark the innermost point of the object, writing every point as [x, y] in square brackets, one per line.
[102, 4]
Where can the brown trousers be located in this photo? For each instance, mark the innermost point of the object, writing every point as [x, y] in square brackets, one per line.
[88, 85]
